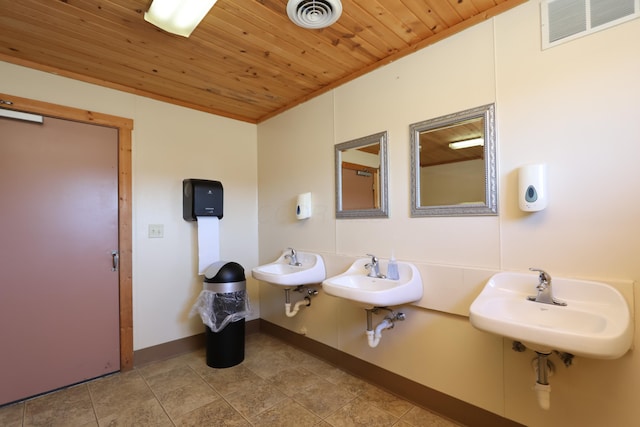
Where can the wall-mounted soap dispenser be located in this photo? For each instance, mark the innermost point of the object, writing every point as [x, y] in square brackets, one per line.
[303, 207]
[532, 187]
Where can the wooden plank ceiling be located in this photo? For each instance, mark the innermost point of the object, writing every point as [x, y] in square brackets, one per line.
[434, 144]
[245, 61]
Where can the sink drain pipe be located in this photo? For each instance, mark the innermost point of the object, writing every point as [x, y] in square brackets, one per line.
[374, 336]
[306, 302]
[544, 369]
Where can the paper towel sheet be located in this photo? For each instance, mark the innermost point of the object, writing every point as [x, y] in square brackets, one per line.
[208, 242]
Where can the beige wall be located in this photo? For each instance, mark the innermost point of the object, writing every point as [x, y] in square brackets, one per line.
[169, 144]
[573, 107]
[453, 183]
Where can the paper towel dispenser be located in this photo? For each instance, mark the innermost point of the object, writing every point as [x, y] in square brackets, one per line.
[201, 197]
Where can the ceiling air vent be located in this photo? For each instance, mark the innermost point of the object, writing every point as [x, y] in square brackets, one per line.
[314, 13]
[564, 20]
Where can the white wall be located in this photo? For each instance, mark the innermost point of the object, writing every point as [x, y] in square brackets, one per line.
[574, 107]
[170, 143]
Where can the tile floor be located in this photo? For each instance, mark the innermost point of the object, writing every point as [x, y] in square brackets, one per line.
[276, 385]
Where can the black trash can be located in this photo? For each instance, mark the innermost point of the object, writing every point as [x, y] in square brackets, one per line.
[225, 344]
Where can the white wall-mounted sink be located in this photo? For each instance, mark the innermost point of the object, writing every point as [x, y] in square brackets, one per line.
[596, 321]
[355, 285]
[280, 272]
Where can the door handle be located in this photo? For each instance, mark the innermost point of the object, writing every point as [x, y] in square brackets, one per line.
[115, 260]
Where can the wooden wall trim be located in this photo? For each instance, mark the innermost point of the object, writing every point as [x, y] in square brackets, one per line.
[62, 112]
[124, 126]
[423, 396]
[125, 236]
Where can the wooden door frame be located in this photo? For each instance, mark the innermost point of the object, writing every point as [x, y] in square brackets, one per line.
[125, 127]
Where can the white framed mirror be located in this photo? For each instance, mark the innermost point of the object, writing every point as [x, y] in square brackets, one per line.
[453, 164]
[361, 177]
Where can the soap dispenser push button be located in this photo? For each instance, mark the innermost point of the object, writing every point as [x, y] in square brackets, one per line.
[531, 195]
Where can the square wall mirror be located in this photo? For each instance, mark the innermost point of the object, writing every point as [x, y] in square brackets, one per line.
[453, 164]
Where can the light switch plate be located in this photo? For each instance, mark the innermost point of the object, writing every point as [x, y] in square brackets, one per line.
[156, 231]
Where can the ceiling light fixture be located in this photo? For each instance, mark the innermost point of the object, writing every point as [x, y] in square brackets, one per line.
[179, 17]
[314, 14]
[475, 142]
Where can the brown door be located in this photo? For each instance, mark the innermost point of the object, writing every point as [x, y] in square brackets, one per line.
[358, 189]
[59, 313]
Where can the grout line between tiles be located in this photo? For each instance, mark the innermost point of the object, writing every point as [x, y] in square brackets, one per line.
[356, 388]
[93, 404]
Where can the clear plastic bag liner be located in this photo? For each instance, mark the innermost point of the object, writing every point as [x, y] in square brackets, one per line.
[217, 310]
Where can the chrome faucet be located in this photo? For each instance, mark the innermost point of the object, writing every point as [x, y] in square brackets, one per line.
[545, 292]
[374, 268]
[292, 257]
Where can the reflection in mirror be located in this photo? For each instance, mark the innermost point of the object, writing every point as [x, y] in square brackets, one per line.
[453, 164]
[361, 177]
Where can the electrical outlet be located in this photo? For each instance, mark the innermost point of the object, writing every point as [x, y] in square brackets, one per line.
[156, 231]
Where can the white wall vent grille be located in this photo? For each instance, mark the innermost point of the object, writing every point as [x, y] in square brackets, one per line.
[564, 20]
